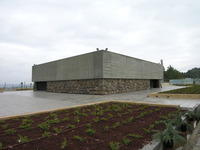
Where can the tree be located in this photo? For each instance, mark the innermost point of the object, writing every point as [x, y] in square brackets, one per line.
[193, 73]
[172, 73]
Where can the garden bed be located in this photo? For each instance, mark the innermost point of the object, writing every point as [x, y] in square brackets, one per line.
[192, 92]
[103, 126]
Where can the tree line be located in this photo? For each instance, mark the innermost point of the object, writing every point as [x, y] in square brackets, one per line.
[172, 73]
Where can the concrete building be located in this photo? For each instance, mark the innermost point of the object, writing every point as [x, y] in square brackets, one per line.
[99, 72]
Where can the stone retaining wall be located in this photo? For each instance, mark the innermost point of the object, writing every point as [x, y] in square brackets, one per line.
[97, 86]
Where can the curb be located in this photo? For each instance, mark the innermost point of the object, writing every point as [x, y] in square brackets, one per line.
[174, 96]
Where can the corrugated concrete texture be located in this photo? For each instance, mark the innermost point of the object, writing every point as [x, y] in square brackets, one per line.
[86, 66]
[121, 66]
[94, 65]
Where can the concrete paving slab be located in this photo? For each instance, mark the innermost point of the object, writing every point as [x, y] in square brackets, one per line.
[20, 102]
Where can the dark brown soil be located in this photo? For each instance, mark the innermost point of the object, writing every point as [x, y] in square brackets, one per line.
[110, 122]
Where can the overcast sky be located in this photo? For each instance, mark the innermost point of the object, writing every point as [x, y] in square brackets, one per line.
[36, 31]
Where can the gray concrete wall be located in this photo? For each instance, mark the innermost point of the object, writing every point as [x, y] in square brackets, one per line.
[86, 66]
[98, 64]
[121, 66]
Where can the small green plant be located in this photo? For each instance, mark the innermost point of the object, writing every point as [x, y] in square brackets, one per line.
[65, 119]
[57, 130]
[142, 114]
[147, 130]
[44, 126]
[116, 124]
[96, 119]
[71, 126]
[114, 145]
[90, 131]
[4, 126]
[104, 119]
[116, 107]
[137, 136]
[106, 128]
[125, 105]
[23, 139]
[2, 121]
[53, 121]
[64, 144]
[131, 119]
[52, 115]
[88, 125]
[46, 134]
[1, 146]
[79, 138]
[77, 119]
[158, 122]
[126, 141]
[78, 113]
[110, 115]
[151, 126]
[26, 123]
[10, 131]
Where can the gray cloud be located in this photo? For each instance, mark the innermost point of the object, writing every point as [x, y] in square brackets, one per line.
[35, 31]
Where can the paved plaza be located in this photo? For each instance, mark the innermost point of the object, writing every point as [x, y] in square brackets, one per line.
[20, 102]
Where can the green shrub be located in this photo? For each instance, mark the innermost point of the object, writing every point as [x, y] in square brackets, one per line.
[169, 135]
[114, 145]
[64, 144]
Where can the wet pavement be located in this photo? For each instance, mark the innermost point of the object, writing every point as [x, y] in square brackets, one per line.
[20, 102]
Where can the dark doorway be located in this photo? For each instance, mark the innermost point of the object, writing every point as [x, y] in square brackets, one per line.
[41, 86]
[154, 84]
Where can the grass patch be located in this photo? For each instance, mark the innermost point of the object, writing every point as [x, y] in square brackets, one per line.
[195, 89]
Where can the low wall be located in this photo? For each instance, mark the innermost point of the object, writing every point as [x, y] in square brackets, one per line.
[97, 86]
